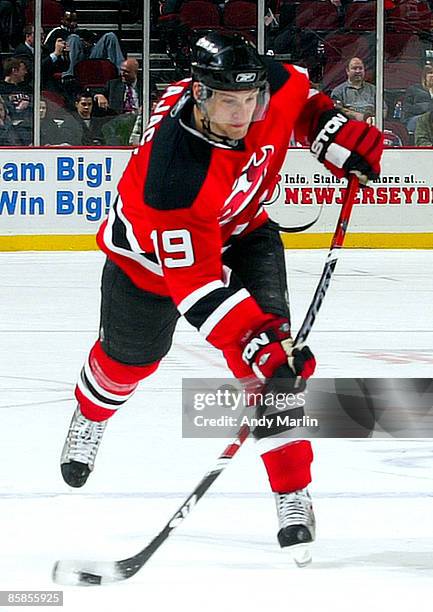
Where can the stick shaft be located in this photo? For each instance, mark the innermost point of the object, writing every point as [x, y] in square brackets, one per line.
[137, 562]
[331, 262]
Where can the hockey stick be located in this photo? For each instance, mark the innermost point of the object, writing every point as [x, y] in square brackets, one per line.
[283, 225]
[299, 228]
[87, 573]
[331, 261]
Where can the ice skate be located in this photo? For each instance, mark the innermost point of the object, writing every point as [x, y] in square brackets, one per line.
[297, 524]
[81, 445]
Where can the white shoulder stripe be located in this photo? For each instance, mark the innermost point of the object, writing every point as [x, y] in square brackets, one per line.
[197, 295]
[223, 309]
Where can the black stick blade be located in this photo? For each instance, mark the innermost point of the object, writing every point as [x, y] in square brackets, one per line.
[86, 573]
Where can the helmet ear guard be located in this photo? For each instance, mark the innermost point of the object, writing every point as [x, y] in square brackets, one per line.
[204, 94]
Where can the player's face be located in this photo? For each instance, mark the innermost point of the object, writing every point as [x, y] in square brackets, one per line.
[231, 112]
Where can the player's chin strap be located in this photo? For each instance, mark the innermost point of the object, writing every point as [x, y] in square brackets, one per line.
[205, 124]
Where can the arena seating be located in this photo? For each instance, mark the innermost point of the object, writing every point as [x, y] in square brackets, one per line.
[95, 73]
[199, 14]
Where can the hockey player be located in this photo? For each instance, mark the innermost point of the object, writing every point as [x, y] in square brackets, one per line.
[188, 235]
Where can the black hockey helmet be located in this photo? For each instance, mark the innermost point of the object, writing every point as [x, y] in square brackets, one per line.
[226, 61]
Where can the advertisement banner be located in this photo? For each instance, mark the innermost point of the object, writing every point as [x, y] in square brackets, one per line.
[57, 191]
[56, 198]
[401, 200]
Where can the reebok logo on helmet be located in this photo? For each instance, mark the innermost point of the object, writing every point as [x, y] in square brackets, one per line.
[245, 77]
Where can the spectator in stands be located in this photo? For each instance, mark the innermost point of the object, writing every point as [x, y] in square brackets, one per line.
[50, 130]
[82, 44]
[8, 135]
[15, 91]
[56, 129]
[356, 97]
[123, 95]
[418, 99]
[51, 63]
[424, 130]
[18, 97]
[91, 127]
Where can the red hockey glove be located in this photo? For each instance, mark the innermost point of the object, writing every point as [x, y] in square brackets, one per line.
[344, 145]
[270, 354]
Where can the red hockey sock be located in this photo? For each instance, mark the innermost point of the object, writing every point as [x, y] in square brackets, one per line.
[288, 466]
[106, 384]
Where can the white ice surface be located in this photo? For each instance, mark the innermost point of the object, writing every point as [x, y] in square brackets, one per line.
[373, 498]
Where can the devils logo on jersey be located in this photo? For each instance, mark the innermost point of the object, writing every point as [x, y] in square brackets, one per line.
[247, 184]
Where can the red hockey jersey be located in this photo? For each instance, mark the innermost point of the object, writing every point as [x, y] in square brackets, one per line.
[183, 199]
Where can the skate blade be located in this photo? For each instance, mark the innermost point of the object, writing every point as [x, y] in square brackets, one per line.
[301, 554]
